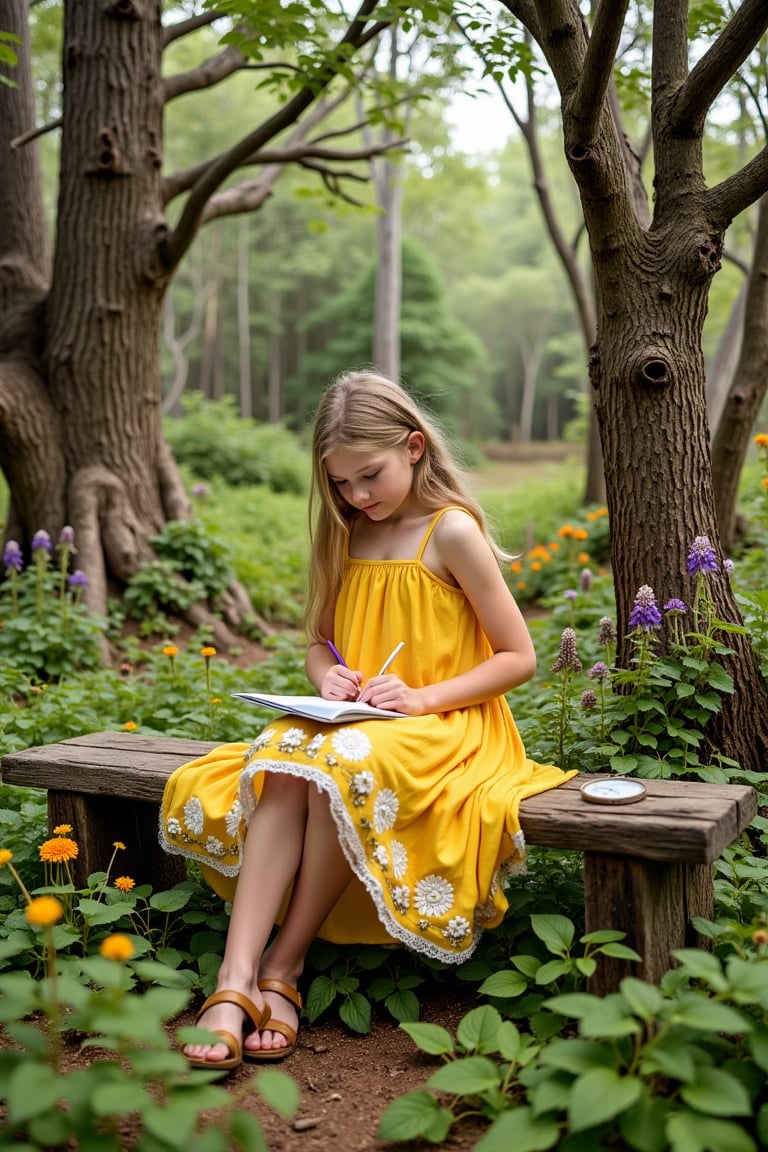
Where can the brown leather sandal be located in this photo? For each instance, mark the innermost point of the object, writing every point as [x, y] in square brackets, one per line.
[258, 1017]
[275, 1054]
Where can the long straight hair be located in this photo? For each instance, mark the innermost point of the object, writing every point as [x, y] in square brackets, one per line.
[362, 411]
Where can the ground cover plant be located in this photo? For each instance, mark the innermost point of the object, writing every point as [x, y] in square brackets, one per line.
[682, 1066]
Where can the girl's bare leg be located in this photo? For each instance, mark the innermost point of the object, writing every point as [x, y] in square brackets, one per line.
[322, 877]
[271, 857]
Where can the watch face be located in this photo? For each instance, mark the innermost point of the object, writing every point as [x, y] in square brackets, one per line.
[618, 790]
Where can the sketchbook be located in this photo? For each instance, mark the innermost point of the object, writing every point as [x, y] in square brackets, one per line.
[317, 708]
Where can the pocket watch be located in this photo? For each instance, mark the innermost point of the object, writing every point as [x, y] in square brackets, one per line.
[613, 790]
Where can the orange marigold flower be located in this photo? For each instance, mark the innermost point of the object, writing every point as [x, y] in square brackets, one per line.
[762, 439]
[521, 585]
[764, 481]
[44, 911]
[130, 726]
[118, 844]
[208, 651]
[583, 557]
[516, 566]
[59, 850]
[565, 531]
[5, 856]
[580, 534]
[170, 650]
[118, 946]
[760, 936]
[554, 546]
[536, 566]
[62, 829]
[125, 883]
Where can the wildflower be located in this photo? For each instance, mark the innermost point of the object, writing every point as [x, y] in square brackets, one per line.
[645, 612]
[124, 883]
[516, 566]
[760, 936]
[119, 845]
[44, 911]
[536, 566]
[728, 565]
[41, 540]
[62, 829]
[208, 651]
[5, 856]
[585, 579]
[126, 668]
[130, 726]
[606, 633]
[598, 671]
[215, 699]
[118, 946]
[78, 579]
[764, 482]
[567, 657]
[554, 545]
[761, 440]
[588, 700]
[521, 585]
[12, 558]
[676, 606]
[583, 557]
[701, 557]
[569, 594]
[201, 491]
[565, 531]
[67, 536]
[580, 534]
[59, 850]
[170, 651]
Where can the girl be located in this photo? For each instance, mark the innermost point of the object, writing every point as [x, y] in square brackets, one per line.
[383, 830]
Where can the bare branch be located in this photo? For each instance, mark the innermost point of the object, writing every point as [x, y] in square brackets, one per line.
[175, 244]
[246, 197]
[745, 187]
[602, 46]
[718, 65]
[33, 133]
[210, 72]
[184, 27]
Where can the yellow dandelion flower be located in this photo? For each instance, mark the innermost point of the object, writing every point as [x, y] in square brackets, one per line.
[118, 946]
[565, 531]
[59, 850]
[208, 651]
[118, 844]
[5, 856]
[62, 829]
[170, 650]
[762, 439]
[125, 883]
[130, 726]
[44, 911]
[215, 699]
[583, 557]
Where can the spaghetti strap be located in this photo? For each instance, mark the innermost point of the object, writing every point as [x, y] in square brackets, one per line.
[433, 525]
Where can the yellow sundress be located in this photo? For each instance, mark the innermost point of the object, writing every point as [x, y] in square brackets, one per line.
[426, 806]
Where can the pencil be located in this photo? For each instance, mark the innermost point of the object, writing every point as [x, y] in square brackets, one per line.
[391, 657]
[340, 659]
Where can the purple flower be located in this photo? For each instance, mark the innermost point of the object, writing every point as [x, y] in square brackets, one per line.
[67, 536]
[78, 579]
[676, 606]
[585, 579]
[606, 631]
[701, 557]
[568, 657]
[598, 671]
[12, 557]
[569, 594]
[40, 540]
[728, 565]
[201, 491]
[588, 700]
[645, 611]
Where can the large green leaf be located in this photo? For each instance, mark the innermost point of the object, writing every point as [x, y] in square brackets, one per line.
[600, 1095]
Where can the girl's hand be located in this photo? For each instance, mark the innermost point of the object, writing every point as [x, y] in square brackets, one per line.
[390, 692]
[340, 683]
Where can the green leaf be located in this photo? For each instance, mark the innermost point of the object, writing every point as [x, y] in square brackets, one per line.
[576, 1055]
[279, 1090]
[478, 1031]
[717, 1093]
[403, 1005]
[551, 971]
[430, 1038]
[555, 931]
[698, 1012]
[520, 1131]
[320, 995]
[504, 984]
[600, 1095]
[620, 952]
[643, 1126]
[355, 1012]
[120, 1098]
[414, 1115]
[575, 1004]
[692, 1132]
[644, 999]
[703, 966]
[246, 1131]
[31, 1090]
[672, 1058]
[466, 1077]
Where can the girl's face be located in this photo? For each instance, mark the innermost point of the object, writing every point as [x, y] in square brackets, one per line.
[377, 483]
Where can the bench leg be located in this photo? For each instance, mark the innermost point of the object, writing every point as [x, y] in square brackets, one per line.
[98, 821]
[653, 903]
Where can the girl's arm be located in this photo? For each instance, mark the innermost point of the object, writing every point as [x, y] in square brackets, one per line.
[465, 554]
[332, 680]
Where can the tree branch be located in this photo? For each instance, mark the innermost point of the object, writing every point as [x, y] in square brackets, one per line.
[210, 72]
[33, 133]
[175, 244]
[184, 27]
[718, 65]
[726, 200]
[602, 46]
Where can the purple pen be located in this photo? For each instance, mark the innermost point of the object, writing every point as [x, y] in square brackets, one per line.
[339, 658]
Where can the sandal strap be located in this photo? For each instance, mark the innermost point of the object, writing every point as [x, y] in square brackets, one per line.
[282, 989]
[257, 1016]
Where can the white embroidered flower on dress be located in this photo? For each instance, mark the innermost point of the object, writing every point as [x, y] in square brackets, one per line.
[214, 847]
[173, 827]
[351, 744]
[232, 818]
[385, 808]
[315, 745]
[434, 896]
[193, 815]
[399, 859]
[401, 897]
[456, 929]
[291, 739]
[381, 857]
[260, 742]
[362, 783]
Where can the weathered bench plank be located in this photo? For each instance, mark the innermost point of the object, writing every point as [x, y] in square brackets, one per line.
[647, 866]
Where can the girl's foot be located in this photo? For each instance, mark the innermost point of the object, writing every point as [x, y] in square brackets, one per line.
[279, 1039]
[227, 1012]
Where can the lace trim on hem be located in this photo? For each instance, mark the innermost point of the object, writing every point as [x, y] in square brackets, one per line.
[350, 844]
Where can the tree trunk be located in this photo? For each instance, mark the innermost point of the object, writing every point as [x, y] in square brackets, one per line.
[243, 321]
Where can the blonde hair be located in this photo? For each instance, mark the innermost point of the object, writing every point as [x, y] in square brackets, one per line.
[362, 411]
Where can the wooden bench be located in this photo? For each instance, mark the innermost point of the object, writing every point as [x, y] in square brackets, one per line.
[647, 867]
